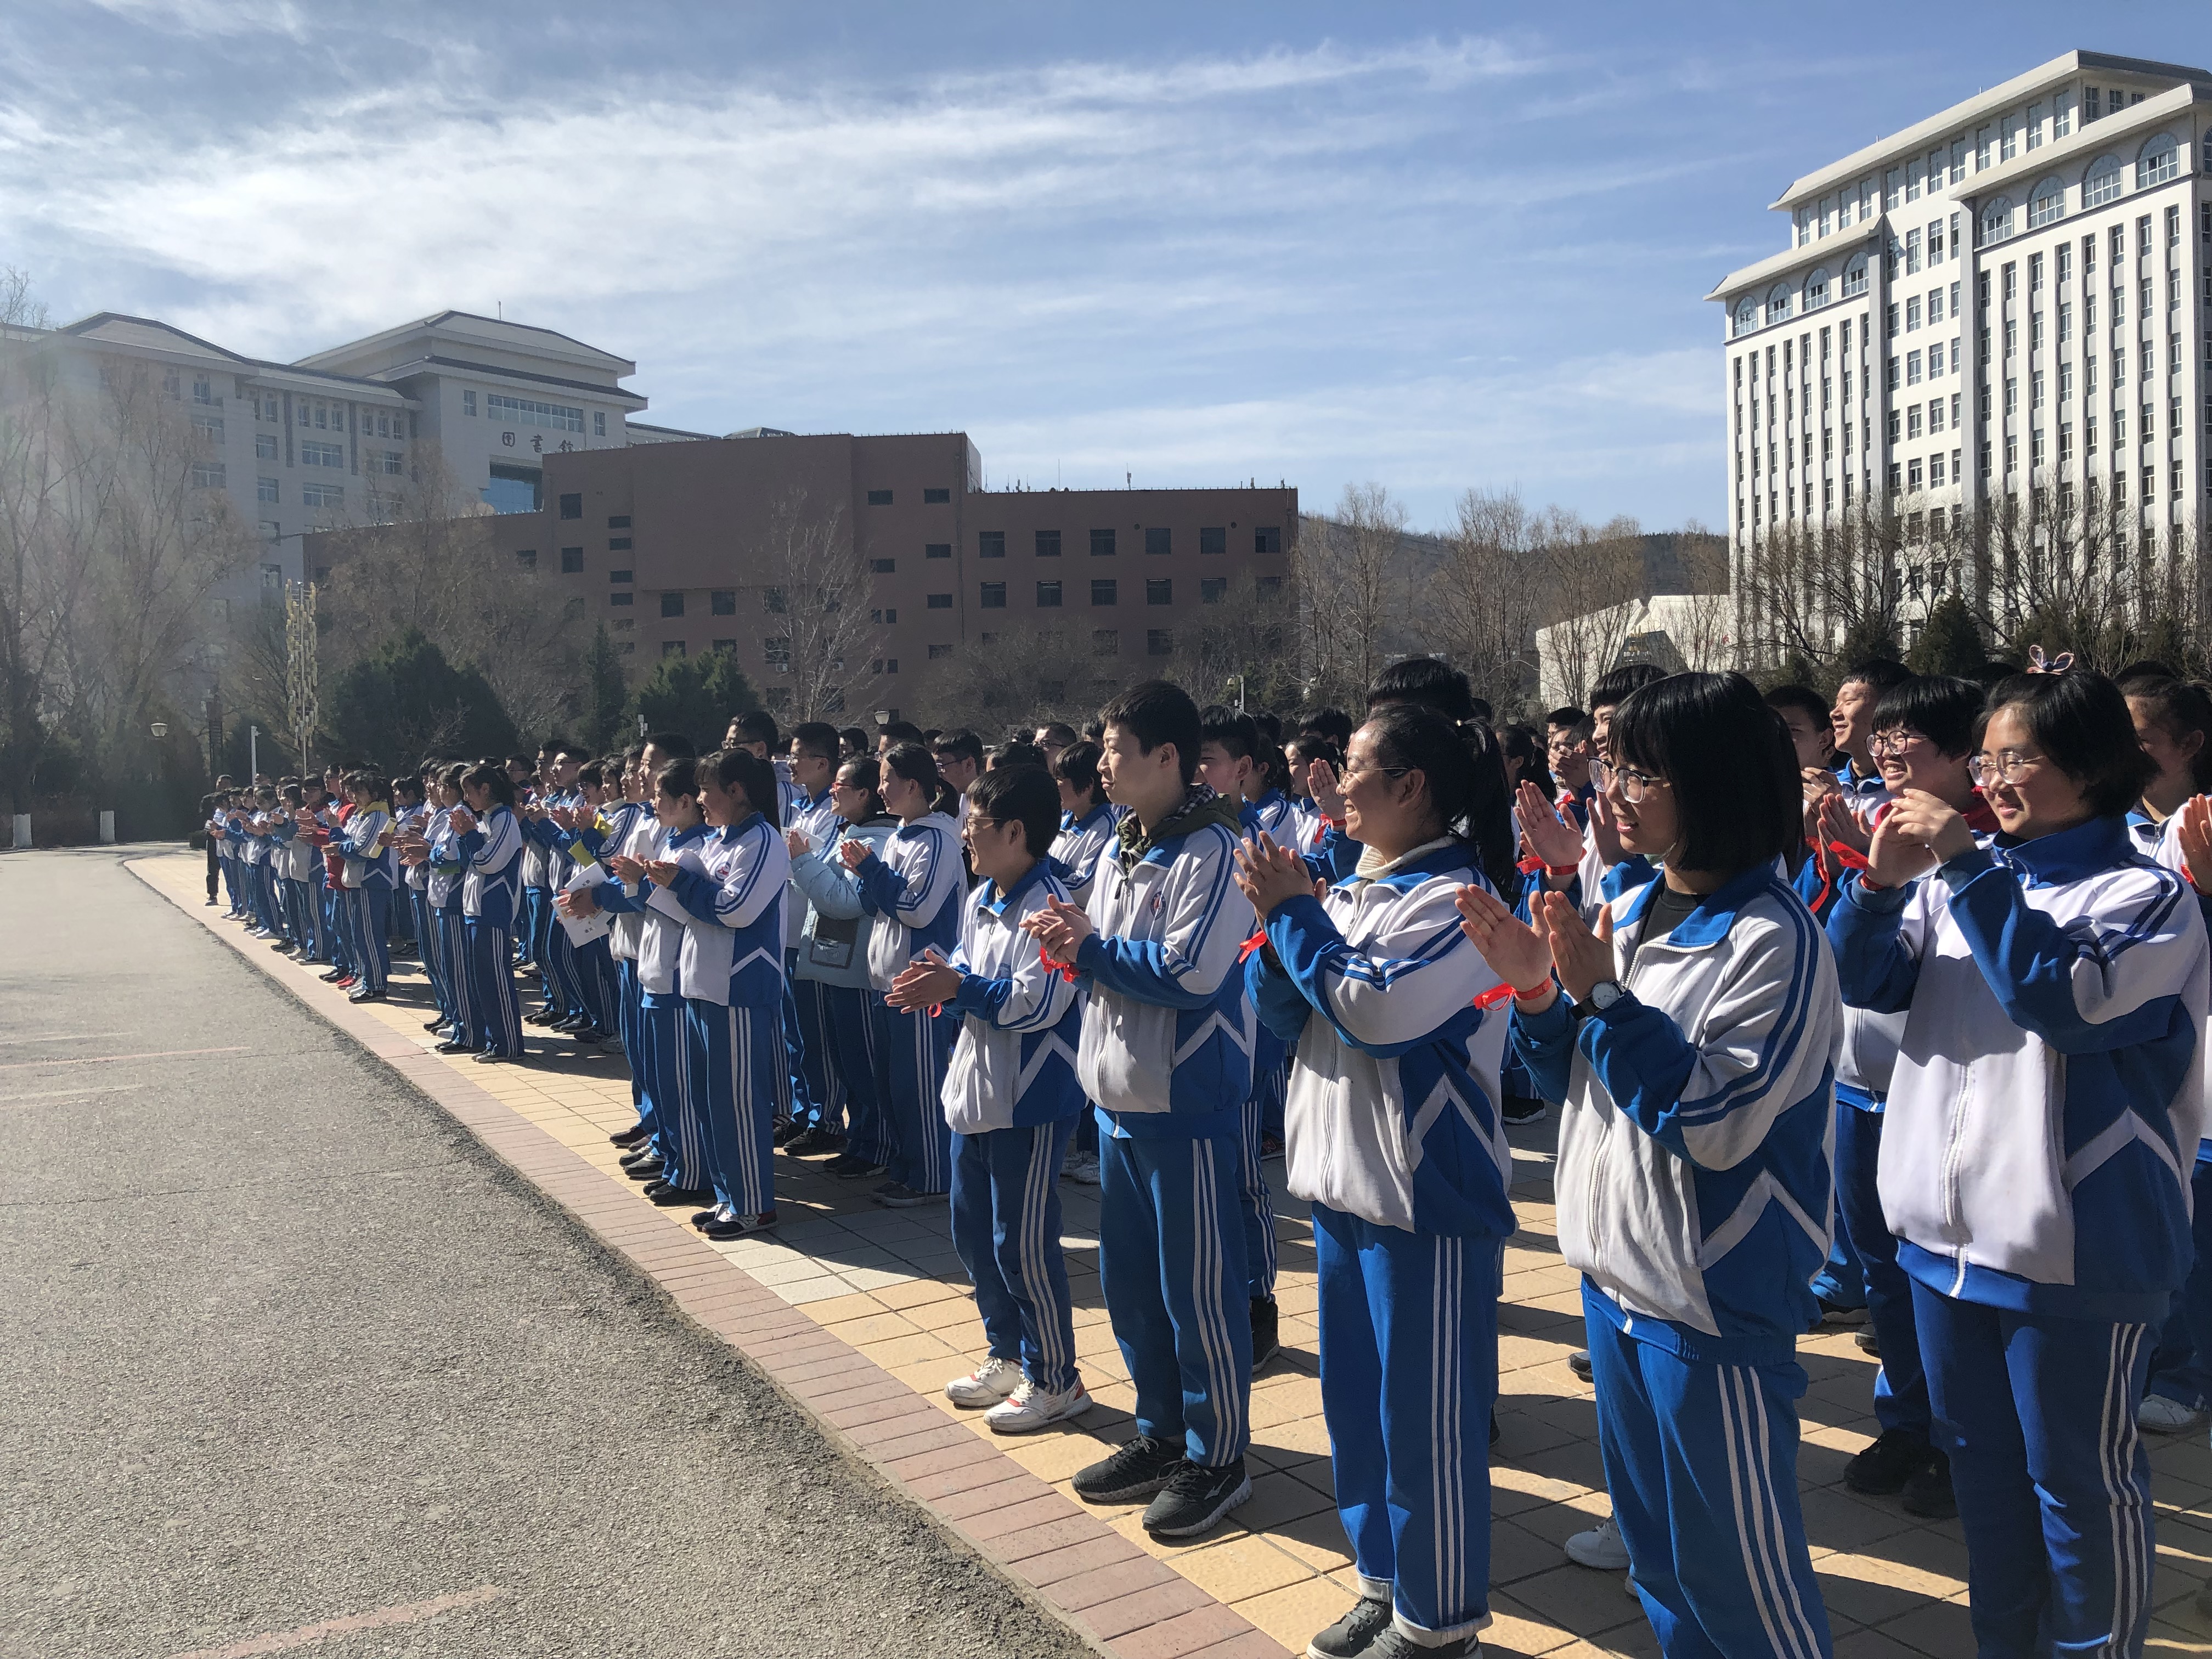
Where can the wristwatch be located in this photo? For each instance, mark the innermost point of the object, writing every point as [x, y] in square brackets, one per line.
[1602, 995]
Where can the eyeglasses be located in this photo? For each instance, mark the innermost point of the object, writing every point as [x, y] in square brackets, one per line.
[2006, 766]
[1883, 745]
[1346, 777]
[1634, 785]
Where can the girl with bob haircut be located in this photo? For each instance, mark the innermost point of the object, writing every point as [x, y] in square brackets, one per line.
[909, 886]
[2046, 1103]
[487, 842]
[1688, 1041]
[729, 897]
[1375, 985]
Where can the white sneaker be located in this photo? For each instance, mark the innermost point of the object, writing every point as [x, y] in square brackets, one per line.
[2162, 1416]
[1082, 1167]
[1600, 1549]
[1029, 1408]
[987, 1385]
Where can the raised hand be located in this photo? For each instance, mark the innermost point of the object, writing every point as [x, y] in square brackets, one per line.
[1516, 953]
[1899, 852]
[1583, 958]
[1060, 929]
[1550, 837]
[796, 843]
[1839, 823]
[1328, 792]
[1268, 874]
[925, 984]
[853, 853]
[1932, 822]
[2193, 834]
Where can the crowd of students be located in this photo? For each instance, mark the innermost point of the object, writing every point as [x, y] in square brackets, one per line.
[1884, 1011]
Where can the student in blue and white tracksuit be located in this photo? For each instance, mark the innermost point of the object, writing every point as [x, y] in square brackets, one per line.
[1087, 823]
[448, 868]
[676, 1168]
[1392, 1134]
[810, 808]
[1167, 1055]
[628, 825]
[1689, 1045]
[731, 908]
[1923, 732]
[912, 890]
[2048, 1098]
[1012, 1099]
[490, 846]
[853, 1024]
[370, 875]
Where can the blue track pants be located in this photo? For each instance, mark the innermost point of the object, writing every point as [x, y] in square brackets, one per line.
[733, 1061]
[1171, 1267]
[1408, 1376]
[910, 1076]
[2038, 1415]
[1900, 1389]
[1005, 1225]
[679, 1110]
[494, 1011]
[1701, 1459]
[2181, 1369]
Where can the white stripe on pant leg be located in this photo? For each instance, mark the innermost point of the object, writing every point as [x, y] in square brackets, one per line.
[740, 1071]
[1767, 1525]
[1037, 1268]
[2116, 1441]
[1740, 1479]
[1209, 1274]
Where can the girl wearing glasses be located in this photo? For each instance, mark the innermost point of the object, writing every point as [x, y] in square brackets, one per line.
[2046, 1103]
[1391, 1133]
[1688, 1041]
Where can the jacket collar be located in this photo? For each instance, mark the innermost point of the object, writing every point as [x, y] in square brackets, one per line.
[1449, 859]
[988, 897]
[1715, 914]
[2087, 849]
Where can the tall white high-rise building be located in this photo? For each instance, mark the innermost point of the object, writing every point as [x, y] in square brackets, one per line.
[1999, 313]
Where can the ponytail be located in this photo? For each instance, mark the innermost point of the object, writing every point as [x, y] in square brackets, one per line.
[749, 772]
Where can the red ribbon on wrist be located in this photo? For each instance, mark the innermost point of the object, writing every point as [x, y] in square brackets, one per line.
[1244, 952]
[1499, 993]
[1065, 970]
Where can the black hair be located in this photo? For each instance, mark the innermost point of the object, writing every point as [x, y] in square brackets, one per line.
[1944, 710]
[407, 783]
[1094, 729]
[527, 763]
[747, 771]
[1570, 719]
[916, 764]
[293, 794]
[679, 777]
[1156, 713]
[1235, 732]
[2080, 720]
[1023, 794]
[1464, 774]
[869, 776]
[1880, 674]
[1616, 687]
[1077, 766]
[452, 776]
[2149, 668]
[1424, 681]
[963, 744]
[672, 746]
[1802, 698]
[1729, 762]
[1015, 754]
[903, 731]
[2179, 707]
[852, 739]
[633, 755]
[817, 736]
[757, 725]
[591, 774]
[1992, 674]
[1271, 726]
[1059, 732]
[491, 776]
[1521, 743]
[1332, 723]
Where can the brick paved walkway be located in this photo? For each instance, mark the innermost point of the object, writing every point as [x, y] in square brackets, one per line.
[862, 1314]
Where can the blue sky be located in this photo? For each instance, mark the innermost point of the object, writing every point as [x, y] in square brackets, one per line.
[1431, 245]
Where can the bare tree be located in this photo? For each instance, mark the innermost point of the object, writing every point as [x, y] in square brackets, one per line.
[814, 586]
[1592, 575]
[1488, 598]
[1350, 571]
[1006, 679]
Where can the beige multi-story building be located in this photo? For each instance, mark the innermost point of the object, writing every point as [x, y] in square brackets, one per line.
[2009, 299]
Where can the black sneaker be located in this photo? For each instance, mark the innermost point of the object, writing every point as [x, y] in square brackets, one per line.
[1195, 1499]
[1140, 1469]
[786, 1129]
[1519, 1109]
[1578, 1363]
[1354, 1633]
[1868, 1341]
[630, 1137]
[1884, 1468]
[1393, 1643]
[1927, 1491]
[861, 1170]
[808, 1142]
[1265, 1341]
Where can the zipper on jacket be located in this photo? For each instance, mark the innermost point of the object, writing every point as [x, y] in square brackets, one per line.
[1953, 1152]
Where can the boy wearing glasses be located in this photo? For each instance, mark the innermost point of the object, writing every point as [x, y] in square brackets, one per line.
[1011, 1099]
[1166, 1053]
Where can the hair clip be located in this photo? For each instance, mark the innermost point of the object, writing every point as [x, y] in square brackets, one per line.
[2039, 664]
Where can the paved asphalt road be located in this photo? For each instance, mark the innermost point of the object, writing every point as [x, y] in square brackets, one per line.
[283, 1344]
